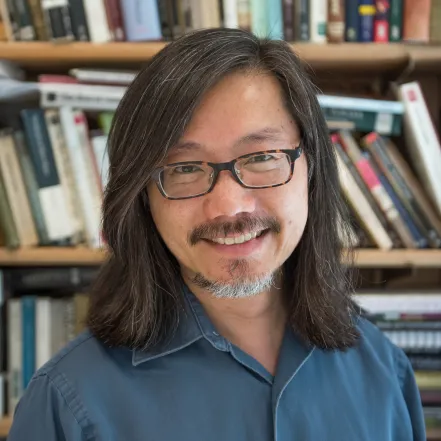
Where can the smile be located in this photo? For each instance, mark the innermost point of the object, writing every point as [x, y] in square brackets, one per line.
[238, 239]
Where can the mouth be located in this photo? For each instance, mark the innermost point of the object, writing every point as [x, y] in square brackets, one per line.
[234, 240]
[236, 245]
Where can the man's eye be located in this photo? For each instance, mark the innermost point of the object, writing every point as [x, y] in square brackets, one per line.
[186, 169]
[260, 158]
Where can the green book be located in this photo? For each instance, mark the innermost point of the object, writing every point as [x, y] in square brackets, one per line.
[396, 20]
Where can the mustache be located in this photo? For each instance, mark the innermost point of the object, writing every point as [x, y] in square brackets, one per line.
[240, 226]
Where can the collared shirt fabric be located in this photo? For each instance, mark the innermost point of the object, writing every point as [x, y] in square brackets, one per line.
[199, 386]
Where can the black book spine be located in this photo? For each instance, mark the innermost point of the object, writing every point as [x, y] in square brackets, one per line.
[58, 20]
[79, 22]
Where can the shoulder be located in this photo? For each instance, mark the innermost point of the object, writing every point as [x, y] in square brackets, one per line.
[375, 348]
[82, 359]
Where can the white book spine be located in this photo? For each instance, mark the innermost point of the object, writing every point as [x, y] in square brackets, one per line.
[78, 156]
[15, 357]
[64, 168]
[43, 331]
[97, 21]
[99, 144]
[426, 149]
[318, 20]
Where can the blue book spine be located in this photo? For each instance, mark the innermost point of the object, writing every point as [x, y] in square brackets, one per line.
[275, 19]
[28, 330]
[419, 239]
[366, 14]
[141, 20]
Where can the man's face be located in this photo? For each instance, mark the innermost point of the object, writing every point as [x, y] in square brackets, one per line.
[239, 106]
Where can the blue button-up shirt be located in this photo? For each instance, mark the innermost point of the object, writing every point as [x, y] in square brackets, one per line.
[201, 387]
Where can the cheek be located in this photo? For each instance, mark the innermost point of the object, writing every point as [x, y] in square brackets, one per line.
[169, 218]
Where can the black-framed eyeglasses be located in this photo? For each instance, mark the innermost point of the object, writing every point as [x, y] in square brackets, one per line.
[191, 179]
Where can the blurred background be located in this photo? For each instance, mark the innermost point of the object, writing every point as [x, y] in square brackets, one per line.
[64, 66]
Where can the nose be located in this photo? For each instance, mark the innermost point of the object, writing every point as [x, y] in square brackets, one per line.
[228, 198]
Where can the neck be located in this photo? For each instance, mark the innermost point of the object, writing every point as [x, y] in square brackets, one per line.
[254, 324]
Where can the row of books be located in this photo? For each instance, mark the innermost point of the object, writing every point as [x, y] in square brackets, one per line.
[412, 321]
[39, 325]
[54, 163]
[317, 21]
[42, 309]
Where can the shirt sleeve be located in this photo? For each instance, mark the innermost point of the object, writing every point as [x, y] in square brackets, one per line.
[412, 397]
[43, 414]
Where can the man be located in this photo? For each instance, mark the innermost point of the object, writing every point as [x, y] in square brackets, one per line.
[224, 312]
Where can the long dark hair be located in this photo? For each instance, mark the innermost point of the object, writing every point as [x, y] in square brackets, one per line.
[136, 299]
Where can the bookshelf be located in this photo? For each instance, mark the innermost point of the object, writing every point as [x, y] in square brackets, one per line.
[83, 256]
[362, 57]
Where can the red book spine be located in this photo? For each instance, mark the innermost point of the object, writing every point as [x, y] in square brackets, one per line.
[114, 17]
[381, 22]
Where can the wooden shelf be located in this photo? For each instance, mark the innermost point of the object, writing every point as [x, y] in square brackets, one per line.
[366, 258]
[51, 256]
[433, 434]
[5, 425]
[373, 57]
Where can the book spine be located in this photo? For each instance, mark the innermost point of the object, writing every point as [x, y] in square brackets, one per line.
[26, 28]
[15, 353]
[29, 341]
[31, 185]
[288, 20]
[351, 21]
[381, 21]
[179, 17]
[396, 20]
[57, 17]
[366, 13]
[378, 191]
[6, 20]
[166, 19]
[114, 18]
[418, 240]
[416, 21]
[11, 7]
[244, 14]
[275, 19]
[43, 328]
[38, 20]
[379, 151]
[79, 21]
[336, 21]
[78, 154]
[96, 17]
[230, 13]
[59, 224]
[318, 20]
[359, 203]
[99, 144]
[6, 219]
[415, 186]
[17, 197]
[302, 26]
[423, 144]
[259, 24]
[391, 233]
[64, 168]
[141, 20]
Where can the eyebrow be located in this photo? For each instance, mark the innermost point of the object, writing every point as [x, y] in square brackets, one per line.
[268, 134]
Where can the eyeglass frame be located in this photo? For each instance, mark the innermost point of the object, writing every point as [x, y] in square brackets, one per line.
[217, 167]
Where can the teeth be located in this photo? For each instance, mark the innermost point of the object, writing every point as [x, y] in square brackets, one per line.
[236, 240]
[239, 239]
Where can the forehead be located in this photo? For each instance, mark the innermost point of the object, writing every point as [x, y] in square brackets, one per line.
[242, 106]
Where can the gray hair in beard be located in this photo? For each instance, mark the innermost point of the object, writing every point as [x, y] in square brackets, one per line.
[240, 286]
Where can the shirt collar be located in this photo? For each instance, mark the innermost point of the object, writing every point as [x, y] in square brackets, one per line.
[194, 324]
